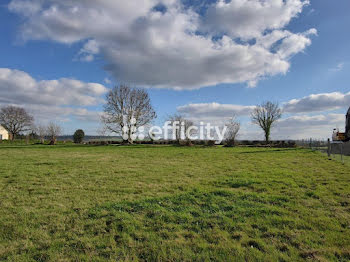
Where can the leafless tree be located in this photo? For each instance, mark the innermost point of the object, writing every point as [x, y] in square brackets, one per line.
[15, 120]
[126, 110]
[101, 131]
[265, 116]
[175, 121]
[41, 131]
[182, 127]
[187, 132]
[233, 127]
[53, 131]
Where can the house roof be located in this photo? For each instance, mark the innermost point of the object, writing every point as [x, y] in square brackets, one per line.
[2, 128]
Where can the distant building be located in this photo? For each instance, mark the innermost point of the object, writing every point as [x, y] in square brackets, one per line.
[4, 134]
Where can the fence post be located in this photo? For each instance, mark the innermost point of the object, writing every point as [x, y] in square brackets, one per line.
[341, 152]
[329, 149]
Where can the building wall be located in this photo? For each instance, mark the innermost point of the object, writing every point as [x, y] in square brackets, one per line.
[4, 133]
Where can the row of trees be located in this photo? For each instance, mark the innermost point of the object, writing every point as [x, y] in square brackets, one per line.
[126, 110]
[129, 108]
[17, 120]
[50, 131]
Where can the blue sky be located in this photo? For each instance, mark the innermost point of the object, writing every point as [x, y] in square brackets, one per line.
[41, 41]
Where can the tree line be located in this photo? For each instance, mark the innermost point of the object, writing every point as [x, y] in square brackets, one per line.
[128, 108]
[17, 120]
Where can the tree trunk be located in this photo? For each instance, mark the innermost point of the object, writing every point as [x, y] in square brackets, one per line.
[130, 141]
[230, 143]
[267, 137]
[53, 141]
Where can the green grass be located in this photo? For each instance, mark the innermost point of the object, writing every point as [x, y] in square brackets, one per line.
[165, 203]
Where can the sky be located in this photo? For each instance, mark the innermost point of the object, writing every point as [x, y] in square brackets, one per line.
[208, 60]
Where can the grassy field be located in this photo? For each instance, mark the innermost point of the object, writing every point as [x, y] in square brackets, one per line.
[164, 203]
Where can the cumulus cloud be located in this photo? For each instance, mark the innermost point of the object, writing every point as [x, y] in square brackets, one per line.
[299, 126]
[19, 87]
[89, 50]
[309, 104]
[295, 43]
[213, 111]
[50, 98]
[174, 46]
[249, 19]
[318, 103]
[306, 126]
[292, 127]
[45, 113]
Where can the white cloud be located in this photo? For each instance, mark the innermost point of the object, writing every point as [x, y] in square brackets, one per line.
[45, 113]
[89, 50]
[296, 127]
[213, 112]
[175, 48]
[26, 8]
[289, 127]
[107, 80]
[249, 19]
[19, 87]
[295, 43]
[318, 103]
[50, 99]
[338, 67]
[305, 126]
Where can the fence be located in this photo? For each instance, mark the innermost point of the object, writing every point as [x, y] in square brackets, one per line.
[335, 150]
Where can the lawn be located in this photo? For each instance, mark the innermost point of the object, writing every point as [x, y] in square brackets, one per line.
[166, 203]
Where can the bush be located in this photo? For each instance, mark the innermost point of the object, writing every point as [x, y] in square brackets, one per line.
[78, 136]
[230, 143]
[211, 143]
[188, 143]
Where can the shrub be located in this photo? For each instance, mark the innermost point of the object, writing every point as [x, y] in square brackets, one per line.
[78, 136]
[189, 143]
[230, 143]
[211, 143]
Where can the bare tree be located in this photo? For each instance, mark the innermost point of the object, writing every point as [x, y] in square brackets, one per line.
[101, 131]
[233, 127]
[265, 116]
[185, 128]
[182, 127]
[53, 131]
[126, 110]
[41, 131]
[15, 120]
[175, 121]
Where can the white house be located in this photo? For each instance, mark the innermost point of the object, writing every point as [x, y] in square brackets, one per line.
[4, 134]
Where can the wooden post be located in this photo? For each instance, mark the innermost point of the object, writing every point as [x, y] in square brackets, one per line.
[329, 149]
[341, 152]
